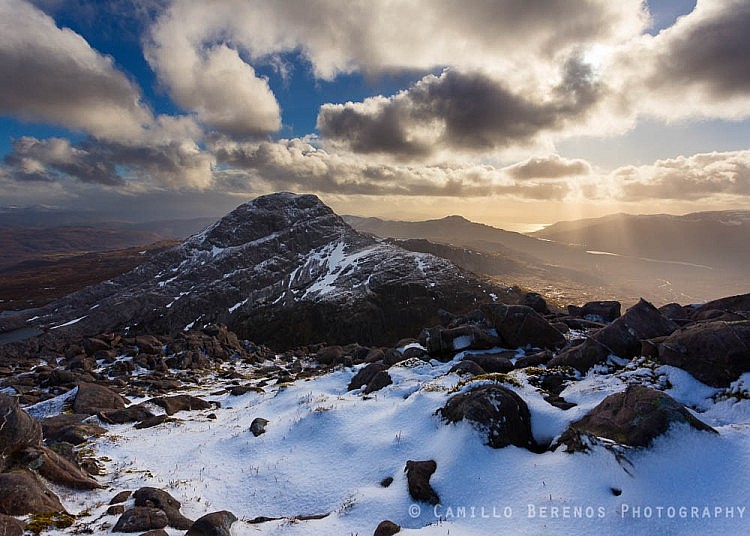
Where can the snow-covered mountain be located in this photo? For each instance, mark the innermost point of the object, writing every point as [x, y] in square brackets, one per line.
[282, 269]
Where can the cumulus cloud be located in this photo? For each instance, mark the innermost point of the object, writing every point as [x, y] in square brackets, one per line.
[458, 110]
[550, 167]
[699, 67]
[701, 176]
[174, 164]
[52, 75]
[298, 165]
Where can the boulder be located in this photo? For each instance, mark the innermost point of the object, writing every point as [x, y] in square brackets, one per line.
[156, 498]
[330, 355]
[17, 428]
[92, 398]
[418, 478]
[54, 467]
[135, 413]
[467, 367]
[536, 302]
[387, 528]
[258, 426]
[141, 518]
[734, 304]
[496, 410]
[597, 311]
[491, 362]
[716, 353]
[21, 493]
[519, 325]
[173, 404]
[213, 524]
[10, 526]
[633, 417]
[148, 344]
[380, 380]
[365, 375]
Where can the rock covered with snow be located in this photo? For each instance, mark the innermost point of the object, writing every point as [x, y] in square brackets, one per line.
[282, 269]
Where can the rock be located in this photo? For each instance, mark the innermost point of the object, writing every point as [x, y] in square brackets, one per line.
[633, 417]
[498, 411]
[414, 352]
[467, 367]
[151, 422]
[17, 428]
[258, 426]
[10, 526]
[491, 362]
[386, 482]
[519, 325]
[642, 321]
[155, 532]
[733, 304]
[54, 467]
[156, 498]
[120, 497]
[376, 354]
[418, 477]
[213, 524]
[536, 302]
[441, 341]
[21, 493]
[387, 528]
[141, 518]
[92, 398]
[716, 353]
[622, 338]
[240, 390]
[380, 380]
[130, 414]
[93, 345]
[597, 311]
[116, 510]
[69, 428]
[534, 360]
[148, 344]
[330, 355]
[365, 375]
[173, 404]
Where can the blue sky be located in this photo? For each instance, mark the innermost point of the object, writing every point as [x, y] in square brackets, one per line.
[509, 112]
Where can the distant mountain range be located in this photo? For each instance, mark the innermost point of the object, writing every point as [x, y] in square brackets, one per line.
[683, 259]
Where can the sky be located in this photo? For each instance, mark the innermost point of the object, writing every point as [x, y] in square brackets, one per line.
[513, 113]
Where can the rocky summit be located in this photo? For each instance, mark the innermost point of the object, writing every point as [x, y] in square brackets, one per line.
[283, 269]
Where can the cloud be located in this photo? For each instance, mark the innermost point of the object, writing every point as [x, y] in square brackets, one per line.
[550, 167]
[699, 67]
[300, 166]
[174, 164]
[458, 110]
[52, 75]
[701, 176]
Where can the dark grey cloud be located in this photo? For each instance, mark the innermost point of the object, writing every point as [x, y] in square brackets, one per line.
[458, 110]
[710, 48]
[174, 164]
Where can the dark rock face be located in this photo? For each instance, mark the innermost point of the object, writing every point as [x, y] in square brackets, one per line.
[141, 518]
[634, 417]
[519, 325]
[21, 492]
[498, 411]
[418, 478]
[716, 353]
[92, 398]
[129, 414]
[365, 375]
[491, 362]
[213, 524]
[258, 426]
[282, 269]
[17, 428]
[597, 311]
[536, 302]
[380, 380]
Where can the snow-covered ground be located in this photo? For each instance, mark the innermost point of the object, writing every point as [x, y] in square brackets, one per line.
[326, 451]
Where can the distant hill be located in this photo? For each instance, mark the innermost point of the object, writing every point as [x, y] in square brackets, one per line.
[685, 259]
[716, 239]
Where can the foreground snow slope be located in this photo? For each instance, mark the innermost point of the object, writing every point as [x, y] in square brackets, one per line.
[326, 451]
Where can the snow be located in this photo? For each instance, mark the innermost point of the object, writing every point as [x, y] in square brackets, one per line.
[69, 323]
[326, 451]
[237, 305]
